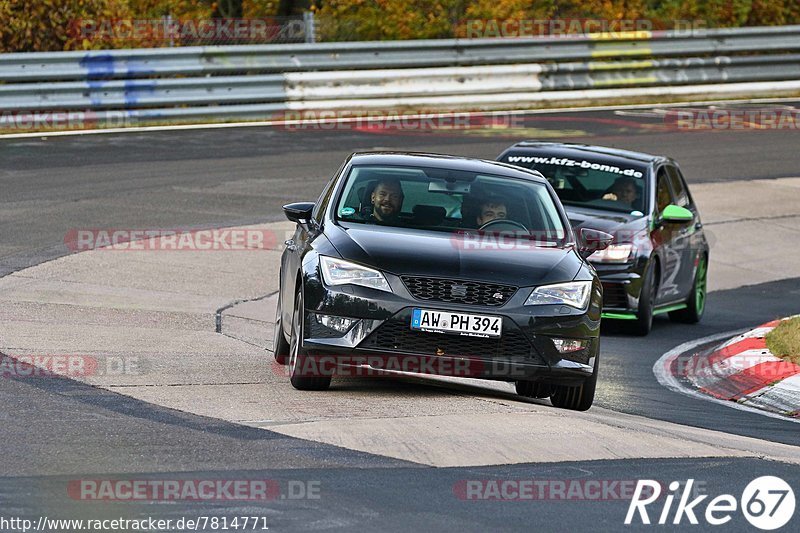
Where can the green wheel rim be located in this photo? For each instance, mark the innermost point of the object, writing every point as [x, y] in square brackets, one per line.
[700, 286]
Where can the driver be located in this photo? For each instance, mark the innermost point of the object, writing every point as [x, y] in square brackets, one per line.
[623, 190]
[491, 209]
[387, 201]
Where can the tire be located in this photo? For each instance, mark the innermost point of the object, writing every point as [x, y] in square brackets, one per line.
[579, 397]
[696, 303]
[280, 347]
[298, 369]
[644, 315]
[533, 389]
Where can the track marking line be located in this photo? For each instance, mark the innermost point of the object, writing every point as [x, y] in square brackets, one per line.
[661, 369]
[268, 123]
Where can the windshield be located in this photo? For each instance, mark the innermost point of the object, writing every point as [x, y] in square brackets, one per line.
[433, 199]
[591, 183]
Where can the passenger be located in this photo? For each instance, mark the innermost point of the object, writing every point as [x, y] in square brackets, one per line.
[387, 202]
[623, 190]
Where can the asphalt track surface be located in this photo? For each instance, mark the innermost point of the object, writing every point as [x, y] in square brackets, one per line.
[56, 429]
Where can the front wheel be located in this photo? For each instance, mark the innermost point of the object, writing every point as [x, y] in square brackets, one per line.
[303, 374]
[644, 315]
[579, 397]
[280, 348]
[696, 303]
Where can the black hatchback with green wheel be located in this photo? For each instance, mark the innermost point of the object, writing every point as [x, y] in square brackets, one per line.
[658, 261]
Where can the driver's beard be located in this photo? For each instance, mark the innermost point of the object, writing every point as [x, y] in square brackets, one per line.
[384, 215]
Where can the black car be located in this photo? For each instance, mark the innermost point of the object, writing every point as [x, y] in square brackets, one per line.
[659, 258]
[398, 261]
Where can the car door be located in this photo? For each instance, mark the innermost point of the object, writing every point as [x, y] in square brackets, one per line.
[289, 266]
[296, 247]
[686, 239]
[667, 239]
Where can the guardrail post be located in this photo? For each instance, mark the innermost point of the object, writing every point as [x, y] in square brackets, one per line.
[308, 19]
[168, 29]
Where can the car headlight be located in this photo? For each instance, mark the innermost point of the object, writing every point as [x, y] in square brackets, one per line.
[616, 253]
[575, 294]
[341, 272]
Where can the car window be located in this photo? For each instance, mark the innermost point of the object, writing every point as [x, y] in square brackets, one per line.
[663, 195]
[319, 208]
[678, 187]
[588, 182]
[435, 200]
[416, 194]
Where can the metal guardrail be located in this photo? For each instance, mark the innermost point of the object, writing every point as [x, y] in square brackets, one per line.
[671, 71]
[248, 81]
[140, 93]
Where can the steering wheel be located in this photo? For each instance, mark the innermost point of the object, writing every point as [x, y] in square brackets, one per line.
[503, 224]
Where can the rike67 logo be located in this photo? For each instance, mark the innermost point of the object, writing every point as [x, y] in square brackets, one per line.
[767, 503]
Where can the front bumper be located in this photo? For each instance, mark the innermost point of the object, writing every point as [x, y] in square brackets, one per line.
[622, 286]
[381, 336]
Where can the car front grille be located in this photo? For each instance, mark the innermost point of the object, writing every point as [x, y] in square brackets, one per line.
[614, 296]
[458, 291]
[396, 335]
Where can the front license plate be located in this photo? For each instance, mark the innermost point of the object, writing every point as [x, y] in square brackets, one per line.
[459, 323]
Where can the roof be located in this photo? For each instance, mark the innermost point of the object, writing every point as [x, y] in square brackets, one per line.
[575, 148]
[420, 159]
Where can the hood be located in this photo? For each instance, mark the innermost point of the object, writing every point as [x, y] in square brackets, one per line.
[622, 226]
[402, 251]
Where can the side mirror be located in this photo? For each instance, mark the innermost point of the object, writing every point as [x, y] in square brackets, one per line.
[676, 213]
[592, 240]
[299, 212]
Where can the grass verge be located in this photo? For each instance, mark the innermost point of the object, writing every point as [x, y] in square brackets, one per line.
[784, 341]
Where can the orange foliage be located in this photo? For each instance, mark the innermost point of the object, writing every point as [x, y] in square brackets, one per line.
[31, 25]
